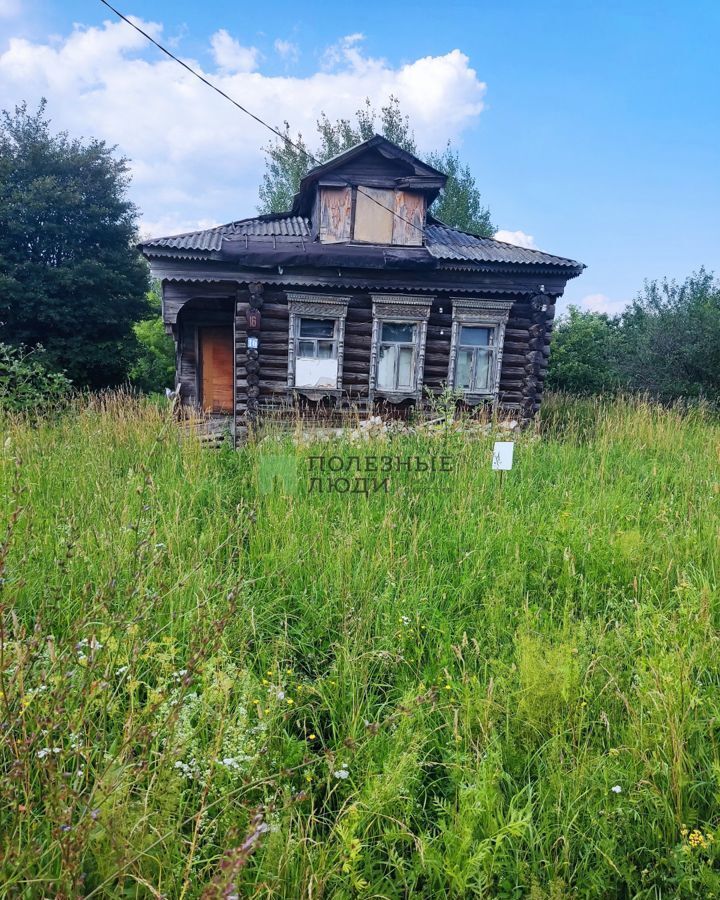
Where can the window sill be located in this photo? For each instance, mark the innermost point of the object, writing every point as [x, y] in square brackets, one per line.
[315, 393]
[473, 398]
[396, 396]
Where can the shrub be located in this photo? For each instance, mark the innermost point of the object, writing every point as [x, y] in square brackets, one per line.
[154, 366]
[26, 383]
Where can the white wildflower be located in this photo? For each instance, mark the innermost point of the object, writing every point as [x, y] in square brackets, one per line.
[616, 789]
[46, 751]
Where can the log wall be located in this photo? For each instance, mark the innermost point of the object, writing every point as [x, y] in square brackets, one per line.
[262, 377]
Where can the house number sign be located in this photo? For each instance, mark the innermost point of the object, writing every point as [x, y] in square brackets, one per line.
[252, 317]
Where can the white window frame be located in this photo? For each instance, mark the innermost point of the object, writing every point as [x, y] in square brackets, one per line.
[479, 313]
[316, 306]
[403, 310]
[411, 344]
[300, 338]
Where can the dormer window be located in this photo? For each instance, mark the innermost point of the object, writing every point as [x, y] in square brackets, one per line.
[374, 214]
[335, 215]
[371, 215]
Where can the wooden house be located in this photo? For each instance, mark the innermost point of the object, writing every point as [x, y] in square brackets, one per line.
[356, 299]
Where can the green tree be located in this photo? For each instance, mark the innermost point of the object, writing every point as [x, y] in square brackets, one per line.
[671, 337]
[70, 278]
[26, 383]
[460, 203]
[289, 159]
[154, 366]
[583, 353]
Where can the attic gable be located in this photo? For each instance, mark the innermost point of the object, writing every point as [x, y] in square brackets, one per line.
[373, 193]
[375, 163]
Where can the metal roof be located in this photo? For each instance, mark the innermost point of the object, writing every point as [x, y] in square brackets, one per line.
[444, 242]
[211, 239]
[441, 242]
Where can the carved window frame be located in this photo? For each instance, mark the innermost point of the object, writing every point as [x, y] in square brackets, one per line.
[402, 309]
[316, 306]
[479, 313]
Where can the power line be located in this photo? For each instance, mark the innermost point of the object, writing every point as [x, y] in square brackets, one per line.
[247, 112]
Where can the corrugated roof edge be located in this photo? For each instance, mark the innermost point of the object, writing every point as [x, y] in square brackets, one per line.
[562, 260]
[210, 240]
[202, 239]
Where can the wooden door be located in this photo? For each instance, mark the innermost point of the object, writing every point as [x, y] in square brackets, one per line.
[216, 362]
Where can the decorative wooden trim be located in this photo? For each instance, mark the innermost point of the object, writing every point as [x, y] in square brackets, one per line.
[317, 306]
[399, 308]
[256, 301]
[198, 366]
[481, 312]
[540, 305]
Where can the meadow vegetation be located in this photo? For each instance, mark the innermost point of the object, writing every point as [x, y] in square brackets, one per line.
[215, 687]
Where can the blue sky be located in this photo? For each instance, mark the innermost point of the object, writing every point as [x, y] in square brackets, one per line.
[593, 128]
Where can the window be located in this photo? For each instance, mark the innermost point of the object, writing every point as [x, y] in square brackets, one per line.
[398, 346]
[370, 215]
[374, 214]
[335, 215]
[476, 346]
[316, 356]
[396, 356]
[474, 366]
[316, 341]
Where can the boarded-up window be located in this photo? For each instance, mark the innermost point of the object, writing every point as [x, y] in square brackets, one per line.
[409, 218]
[374, 214]
[216, 359]
[335, 210]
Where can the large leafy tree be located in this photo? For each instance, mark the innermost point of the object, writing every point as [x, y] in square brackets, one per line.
[583, 353]
[671, 337]
[665, 343]
[70, 278]
[289, 159]
[460, 203]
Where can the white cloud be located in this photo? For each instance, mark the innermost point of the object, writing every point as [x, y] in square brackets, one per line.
[519, 238]
[603, 304]
[193, 156]
[10, 8]
[287, 50]
[343, 51]
[231, 56]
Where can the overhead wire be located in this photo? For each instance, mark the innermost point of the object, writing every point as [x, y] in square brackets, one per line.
[252, 115]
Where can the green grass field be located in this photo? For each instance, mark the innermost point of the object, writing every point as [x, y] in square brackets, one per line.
[216, 684]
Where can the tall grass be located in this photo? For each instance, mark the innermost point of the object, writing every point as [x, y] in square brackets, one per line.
[457, 688]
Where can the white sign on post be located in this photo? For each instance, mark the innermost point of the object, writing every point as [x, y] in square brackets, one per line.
[503, 455]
